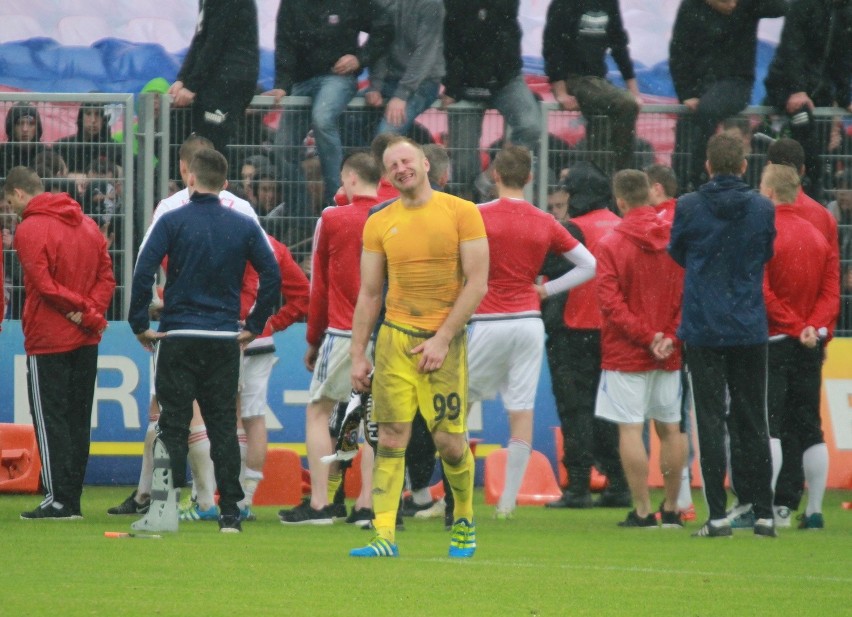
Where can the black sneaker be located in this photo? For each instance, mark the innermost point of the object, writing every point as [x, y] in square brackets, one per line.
[614, 499]
[130, 506]
[634, 520]
[670, 520]
[50, 513]
[570, 499]
[708, 530]
[230, 523]
[360, 517]
[337, 511]
[765, 528]
[409, 508]
[304, 514]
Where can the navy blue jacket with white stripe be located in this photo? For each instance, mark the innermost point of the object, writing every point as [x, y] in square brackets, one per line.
[207, 248]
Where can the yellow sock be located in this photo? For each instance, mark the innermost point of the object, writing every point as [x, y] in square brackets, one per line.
[334, 480]
[460, 477]
[388, 476]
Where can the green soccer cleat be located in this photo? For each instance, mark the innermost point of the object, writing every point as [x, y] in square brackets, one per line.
[378, 547]
[463, 539]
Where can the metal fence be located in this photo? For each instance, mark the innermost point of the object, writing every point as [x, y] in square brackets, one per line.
[285, 184]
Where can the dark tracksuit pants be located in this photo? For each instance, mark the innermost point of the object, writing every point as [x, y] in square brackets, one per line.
[61, 388]
[739, 371]
[795, 380]
[206, 370]
[218, 108]
[720, 100]
[574, 358]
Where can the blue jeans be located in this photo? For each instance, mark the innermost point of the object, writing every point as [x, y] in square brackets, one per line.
[420, 100]
[331, 94]
[522, 113]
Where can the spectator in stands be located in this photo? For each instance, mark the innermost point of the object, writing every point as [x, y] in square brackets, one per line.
[288, 224]
[576, 38]
[640, 290]
[801, 290]
[253, 167]
[219, 72]
[317, 54]
[53, 171]
[23, 136]
[575, 355]
[407, 78]
[482, 48]
[91, 142]
[712, 62]
[557, 202]
[722, 234]
[812, 67]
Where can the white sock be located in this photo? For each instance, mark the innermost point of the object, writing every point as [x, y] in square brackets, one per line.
[777, 459]
[147, 472]
[203, 478]
[422, 496]
[684, 497]
[250, 481]
[516, 466]
[242, 439]
[815, 465]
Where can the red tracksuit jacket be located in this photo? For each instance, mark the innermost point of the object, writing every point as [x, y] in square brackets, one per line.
[800, 285]
[640, 288]
[67, 269]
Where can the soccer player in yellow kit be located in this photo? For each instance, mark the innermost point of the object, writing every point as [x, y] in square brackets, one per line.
[432, 249]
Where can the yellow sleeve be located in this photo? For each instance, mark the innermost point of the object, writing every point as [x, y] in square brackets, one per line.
[372, 240]
[470, 222]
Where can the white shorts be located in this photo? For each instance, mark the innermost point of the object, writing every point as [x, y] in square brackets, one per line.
[332, 377]
[254, 384]
[631, 398]
[505, 355]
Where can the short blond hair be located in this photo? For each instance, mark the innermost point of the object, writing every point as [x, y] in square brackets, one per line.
[783, 180]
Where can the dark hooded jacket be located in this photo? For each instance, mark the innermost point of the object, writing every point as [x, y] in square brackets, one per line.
[639, 291]
[723, 235]
[589, 190]
[80, 150]
[15, 153]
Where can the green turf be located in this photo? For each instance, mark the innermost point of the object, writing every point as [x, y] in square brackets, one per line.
[541, 563]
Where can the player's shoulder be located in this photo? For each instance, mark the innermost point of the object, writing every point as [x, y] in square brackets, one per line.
[237, 204]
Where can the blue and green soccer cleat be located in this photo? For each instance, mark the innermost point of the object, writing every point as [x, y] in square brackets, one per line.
[463, 539]
[378, 547]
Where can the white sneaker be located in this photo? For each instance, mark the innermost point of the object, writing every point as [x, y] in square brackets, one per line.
[783, 516]
[435, 511]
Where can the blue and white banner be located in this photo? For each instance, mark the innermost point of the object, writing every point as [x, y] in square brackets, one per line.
[120, 412]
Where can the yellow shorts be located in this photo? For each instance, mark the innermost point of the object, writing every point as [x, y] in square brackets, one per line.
[399, 389]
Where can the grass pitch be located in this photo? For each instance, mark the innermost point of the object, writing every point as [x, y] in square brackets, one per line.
[542, 563]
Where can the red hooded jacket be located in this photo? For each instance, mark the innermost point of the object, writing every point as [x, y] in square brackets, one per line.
[640, 288]
[67, 269]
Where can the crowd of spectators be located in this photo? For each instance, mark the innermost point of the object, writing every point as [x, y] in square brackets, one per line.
[285, 163]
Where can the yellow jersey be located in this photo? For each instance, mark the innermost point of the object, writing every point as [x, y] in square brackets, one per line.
[421, 249]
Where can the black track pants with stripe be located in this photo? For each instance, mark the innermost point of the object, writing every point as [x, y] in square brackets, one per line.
[61, 389]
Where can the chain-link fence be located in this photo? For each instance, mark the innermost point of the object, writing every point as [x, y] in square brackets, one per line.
[276, 166]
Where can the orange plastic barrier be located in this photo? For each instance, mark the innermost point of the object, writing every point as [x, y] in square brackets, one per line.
[538, 486]
[20, 466]
[282, 480]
